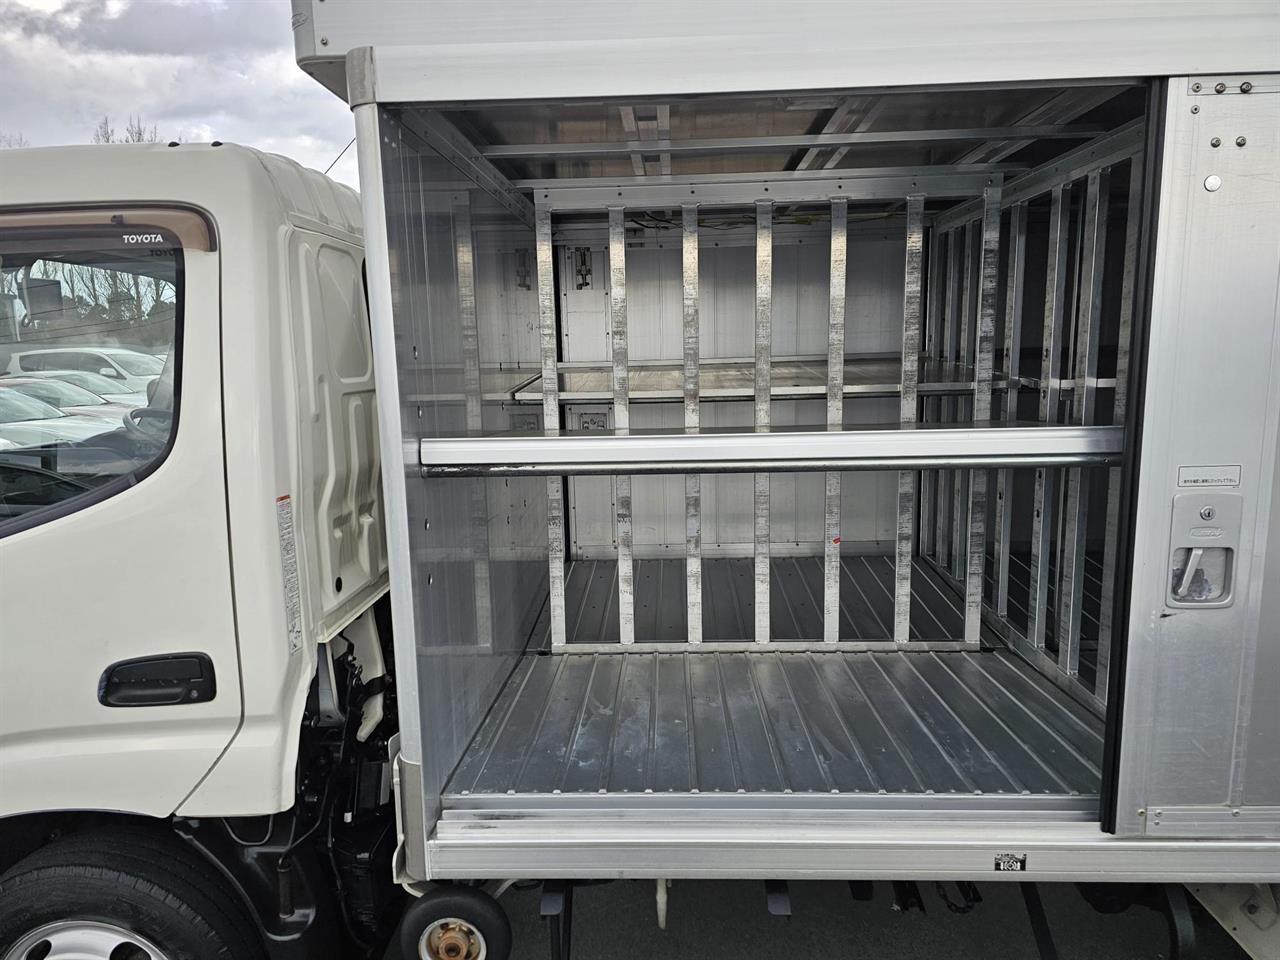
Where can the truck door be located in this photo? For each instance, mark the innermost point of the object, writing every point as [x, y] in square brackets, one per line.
[120, 681]
[1199, 753]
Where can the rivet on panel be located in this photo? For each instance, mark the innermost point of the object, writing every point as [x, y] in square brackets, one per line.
[1197, 87]
[1195, 109]
[1219, 87]
[1246, 87]
[1241, 141]
[1215, 142]
[324, 41]
[1212, 182]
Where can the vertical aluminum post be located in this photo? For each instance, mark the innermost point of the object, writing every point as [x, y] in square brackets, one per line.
[472, 395]
[911, 318]
[949, 338]
[621, 420]
[984, 362]
[1083, 404]
[1050, 358]
[1106, 613]
[551, 417]
[763, 364]
[692, 421]
[835, 418]
[929, 478]
[1017, 265]
[968, 319]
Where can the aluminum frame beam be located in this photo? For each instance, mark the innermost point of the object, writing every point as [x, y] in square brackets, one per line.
[1052, 131]
[922, 448]
[1119, 145]
[593, 194]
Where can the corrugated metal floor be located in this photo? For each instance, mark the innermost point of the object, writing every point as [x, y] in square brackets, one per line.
[728, 591]
[853, 723]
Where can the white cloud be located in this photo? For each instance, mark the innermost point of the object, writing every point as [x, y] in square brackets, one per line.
[195, 69]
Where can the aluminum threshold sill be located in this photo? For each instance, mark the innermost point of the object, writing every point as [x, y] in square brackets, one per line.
[918, 448]
[818, 849]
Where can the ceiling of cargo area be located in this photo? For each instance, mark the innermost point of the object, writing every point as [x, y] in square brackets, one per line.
[1018, 126]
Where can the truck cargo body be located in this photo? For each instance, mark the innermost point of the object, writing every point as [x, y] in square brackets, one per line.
[819, 458]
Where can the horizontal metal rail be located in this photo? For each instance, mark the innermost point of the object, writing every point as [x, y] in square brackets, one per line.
[794, 186]
[919, 448]
[1115, 147]
[606, 148]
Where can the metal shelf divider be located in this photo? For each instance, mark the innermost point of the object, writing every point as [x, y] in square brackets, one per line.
[692, 418]
[835, 419]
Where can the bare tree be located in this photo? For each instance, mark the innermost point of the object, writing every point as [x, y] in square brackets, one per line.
[13, 140]
[135, 131]
[104, 132]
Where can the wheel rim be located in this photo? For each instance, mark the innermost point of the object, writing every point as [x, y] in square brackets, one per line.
[452, 939]
[84, 940]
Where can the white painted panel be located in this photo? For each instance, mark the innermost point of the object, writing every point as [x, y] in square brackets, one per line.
[461, 50]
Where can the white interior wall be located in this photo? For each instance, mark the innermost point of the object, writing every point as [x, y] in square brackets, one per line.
[727, 312]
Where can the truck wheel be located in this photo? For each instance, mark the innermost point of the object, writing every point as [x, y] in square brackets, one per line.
[455, 923]
[125, 895]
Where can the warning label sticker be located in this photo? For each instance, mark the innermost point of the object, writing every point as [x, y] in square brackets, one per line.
[1213, 475]
[289, 564]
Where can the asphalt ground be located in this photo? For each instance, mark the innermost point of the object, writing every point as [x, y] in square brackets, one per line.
[728, 920]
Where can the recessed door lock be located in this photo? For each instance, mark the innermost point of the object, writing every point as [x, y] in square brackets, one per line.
[1203, 547]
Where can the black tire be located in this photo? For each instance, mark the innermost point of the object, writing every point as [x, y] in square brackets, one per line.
[474, 907]
[144, 881]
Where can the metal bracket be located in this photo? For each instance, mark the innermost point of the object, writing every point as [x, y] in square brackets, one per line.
[444, 138]
[556, 907]
[777, 895]
[360, 77]
[906, 897]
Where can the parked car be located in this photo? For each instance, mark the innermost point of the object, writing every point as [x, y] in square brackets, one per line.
[104, 387]
[67, 397]
[28, 422]
[129, 368]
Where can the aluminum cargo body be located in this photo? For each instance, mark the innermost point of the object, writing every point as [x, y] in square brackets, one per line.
[840, 443]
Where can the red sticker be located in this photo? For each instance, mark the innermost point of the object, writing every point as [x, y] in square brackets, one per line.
[835, 539]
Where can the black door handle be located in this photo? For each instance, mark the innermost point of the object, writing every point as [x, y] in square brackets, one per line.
[170, 679]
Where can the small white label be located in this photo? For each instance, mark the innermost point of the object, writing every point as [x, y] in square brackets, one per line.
[1218, 475]
[289, 564]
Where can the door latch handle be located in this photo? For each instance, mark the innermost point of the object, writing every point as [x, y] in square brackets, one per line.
[167, 680]
[1189, 574]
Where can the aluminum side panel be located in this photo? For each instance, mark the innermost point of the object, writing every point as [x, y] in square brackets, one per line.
[1212, 398]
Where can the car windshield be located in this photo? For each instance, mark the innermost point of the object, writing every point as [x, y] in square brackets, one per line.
[92, 382]
[17, 407]
[138, 364]
[57, 393]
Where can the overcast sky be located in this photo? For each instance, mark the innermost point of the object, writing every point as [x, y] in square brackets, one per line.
[198, 70]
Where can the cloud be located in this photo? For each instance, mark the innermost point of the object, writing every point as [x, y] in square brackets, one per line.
[195, 69]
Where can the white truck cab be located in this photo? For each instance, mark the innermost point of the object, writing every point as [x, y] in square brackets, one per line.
[174, 582]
